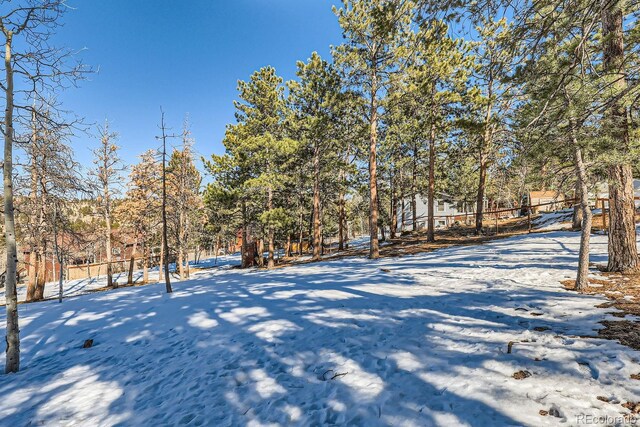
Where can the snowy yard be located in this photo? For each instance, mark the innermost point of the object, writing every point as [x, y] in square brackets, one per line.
[88, 285]
[419, 340]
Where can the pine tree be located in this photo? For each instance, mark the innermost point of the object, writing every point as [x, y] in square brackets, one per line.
[257, 152]
[376, 48]
[315, 99]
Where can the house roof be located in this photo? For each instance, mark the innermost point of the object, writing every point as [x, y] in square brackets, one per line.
[549, 194]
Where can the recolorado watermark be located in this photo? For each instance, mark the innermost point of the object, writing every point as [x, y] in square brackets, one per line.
[607, 420]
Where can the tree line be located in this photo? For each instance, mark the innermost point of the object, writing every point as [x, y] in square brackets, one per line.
[481, 100]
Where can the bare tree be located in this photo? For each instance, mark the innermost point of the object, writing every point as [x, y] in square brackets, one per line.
[165, 243]
[32, 68]
[107, 172]
[184, 197]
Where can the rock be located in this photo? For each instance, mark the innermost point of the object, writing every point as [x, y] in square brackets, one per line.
[633, 407]
[520, 375]
[87, 344]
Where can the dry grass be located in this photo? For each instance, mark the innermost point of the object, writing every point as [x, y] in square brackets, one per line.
[623, 292]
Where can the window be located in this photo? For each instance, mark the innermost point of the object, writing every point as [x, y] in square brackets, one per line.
[440, 206]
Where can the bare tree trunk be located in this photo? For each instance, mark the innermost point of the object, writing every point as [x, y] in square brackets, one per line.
[180, 262]
[374, 250]
[107, 220]
[414, 189]
[623, 252]
[260, 247]
[317, 225]
[341, 221]
[270, 235]
[301, 233]
[577, 208]
[41, 275]
[485, 146]
[145, 263]
[31, 269]
[402, 215]
[12, 363]
[394, 208]
[165, 245]
[585, 234]
[243, 237]
[161, 262]
[480, 196]
[32, 272]
[432, 185]
[287, 252]
[132, 263]
[58, 254]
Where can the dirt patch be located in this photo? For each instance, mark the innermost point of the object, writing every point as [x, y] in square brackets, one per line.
[623, 292]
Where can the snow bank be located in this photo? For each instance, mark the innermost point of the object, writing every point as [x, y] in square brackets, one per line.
[549, 221]
[419, 340]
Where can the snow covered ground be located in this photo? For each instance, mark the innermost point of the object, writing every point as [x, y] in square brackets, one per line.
[558, 220]
[84, 286]
[419, 340]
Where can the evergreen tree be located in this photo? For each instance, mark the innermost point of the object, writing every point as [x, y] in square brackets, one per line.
[376, 48]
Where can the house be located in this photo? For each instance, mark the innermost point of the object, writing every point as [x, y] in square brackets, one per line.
[543, 201]
[601, 191]
[446, 212]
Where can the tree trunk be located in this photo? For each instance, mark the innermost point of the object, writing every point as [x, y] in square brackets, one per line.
[107, 219]
[402, 207]
[394, 209]
[41, 275]
[31, 281]
[585, 234]
[374, 250]
[485, 146]
[35, 224]
[270, 235]
[132, 263]
[480, 197]
[432, 185]
[301, 233]
[260, 247]
[180, 262]
[341, 221]
[244, 247]
[287, 252]
[161, 264]
[145, 263]
[12, 363]
[414, 189]
[577, 207]
[623, 252]
[317, 225]
[165, 239]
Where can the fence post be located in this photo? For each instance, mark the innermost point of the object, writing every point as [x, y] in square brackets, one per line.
[604, 217]
[529, 217]
[496, 223]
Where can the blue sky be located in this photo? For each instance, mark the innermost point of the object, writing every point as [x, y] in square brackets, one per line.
[185, 56]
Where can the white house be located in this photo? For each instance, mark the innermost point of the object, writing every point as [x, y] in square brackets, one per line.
[445, 210]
